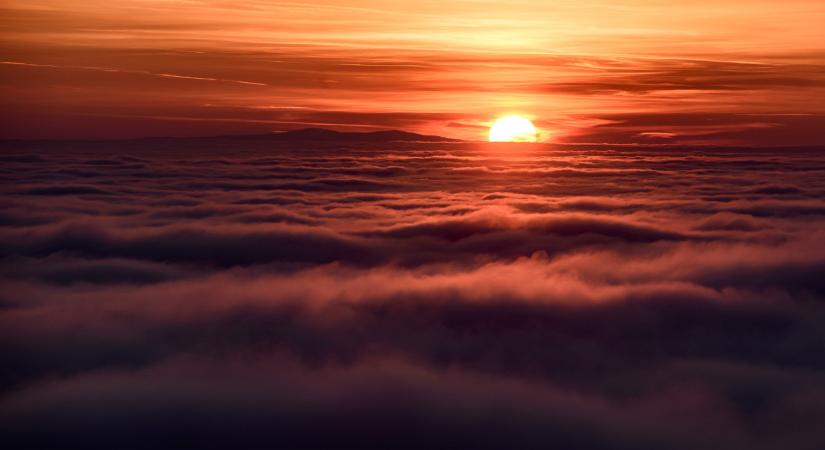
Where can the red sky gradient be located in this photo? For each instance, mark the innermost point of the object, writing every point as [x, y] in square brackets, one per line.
[703, 72]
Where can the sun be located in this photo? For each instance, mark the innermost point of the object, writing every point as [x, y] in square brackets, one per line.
[513, 129]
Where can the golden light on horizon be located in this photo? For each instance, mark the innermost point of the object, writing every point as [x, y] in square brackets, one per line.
[647, 72]
[513, 129]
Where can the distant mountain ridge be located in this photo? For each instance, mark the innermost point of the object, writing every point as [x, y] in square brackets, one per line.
[325, 134]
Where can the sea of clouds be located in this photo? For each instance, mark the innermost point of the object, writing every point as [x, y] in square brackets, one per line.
[208, 293]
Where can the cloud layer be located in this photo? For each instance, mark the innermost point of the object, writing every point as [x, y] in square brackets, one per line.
[447, 295]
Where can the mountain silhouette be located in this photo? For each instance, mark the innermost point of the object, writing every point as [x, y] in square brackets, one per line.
[324, 134]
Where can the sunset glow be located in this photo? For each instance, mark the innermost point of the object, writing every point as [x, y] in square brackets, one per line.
[705, 71]
[513, 129]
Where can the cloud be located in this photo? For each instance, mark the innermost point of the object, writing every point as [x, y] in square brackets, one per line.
[65, 190]
[695, 75]
[705, 128]
[518, 344]
[623, 297]
[388, 404]
[224, 247]
[62, 270]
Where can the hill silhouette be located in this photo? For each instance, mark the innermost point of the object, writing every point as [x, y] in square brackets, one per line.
[324, 134]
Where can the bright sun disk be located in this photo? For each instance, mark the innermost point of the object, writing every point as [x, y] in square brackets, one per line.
[513, 129]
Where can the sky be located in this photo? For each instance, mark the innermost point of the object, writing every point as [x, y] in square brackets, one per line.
[587, 71]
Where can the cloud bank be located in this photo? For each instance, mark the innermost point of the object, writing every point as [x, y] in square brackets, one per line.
[447, 295]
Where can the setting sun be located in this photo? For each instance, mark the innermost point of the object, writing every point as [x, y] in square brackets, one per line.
[513, 129]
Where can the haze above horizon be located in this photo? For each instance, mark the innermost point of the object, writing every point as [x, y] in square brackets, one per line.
[708, 72]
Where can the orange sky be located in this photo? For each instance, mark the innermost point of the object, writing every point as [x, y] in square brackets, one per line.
[707, 71]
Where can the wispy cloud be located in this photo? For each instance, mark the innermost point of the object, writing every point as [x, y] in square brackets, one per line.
[126, 71]
[562, 64]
